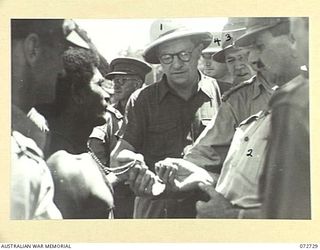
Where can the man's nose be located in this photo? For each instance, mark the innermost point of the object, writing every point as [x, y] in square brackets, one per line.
[208, 63]
[118, 84]
[238, 64]
[176, 63]
[254, 58]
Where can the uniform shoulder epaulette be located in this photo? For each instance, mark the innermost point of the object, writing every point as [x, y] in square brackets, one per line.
[25, 146]
[114, 111]
[254, 117]
[235, 88]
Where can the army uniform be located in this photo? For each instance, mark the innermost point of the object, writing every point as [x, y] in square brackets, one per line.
[239, 103]
[285, 184]
[32, 187]
[104, 138]
[102, 141]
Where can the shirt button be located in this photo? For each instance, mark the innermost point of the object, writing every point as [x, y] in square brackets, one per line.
[246, 138]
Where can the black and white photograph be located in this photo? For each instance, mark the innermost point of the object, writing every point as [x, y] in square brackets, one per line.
[160, 118]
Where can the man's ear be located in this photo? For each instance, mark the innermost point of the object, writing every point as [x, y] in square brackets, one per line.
[138, 84]
[293, 45]
[77, 94]
[199, 47]
[31, 48]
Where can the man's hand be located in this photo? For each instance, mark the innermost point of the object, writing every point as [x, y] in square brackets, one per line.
[141, 180]
[181, 175]
[126, 157]
[216, 207]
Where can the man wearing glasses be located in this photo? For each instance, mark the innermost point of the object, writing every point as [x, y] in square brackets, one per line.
[166, 117]
[128, 75]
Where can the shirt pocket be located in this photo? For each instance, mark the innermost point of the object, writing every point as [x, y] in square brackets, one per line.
[163, 139]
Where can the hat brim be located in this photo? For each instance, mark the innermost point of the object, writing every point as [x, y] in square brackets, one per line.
[220, 56]
[150, 52]
[210, 50]
[249, 37]
[111, 75]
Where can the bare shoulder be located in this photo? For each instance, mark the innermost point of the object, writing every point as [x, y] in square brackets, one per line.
[64, 163]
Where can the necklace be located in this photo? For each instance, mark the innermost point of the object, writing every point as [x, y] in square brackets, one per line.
[107, 170]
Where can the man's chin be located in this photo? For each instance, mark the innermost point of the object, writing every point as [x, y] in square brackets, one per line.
[179, 81]
[243, 78]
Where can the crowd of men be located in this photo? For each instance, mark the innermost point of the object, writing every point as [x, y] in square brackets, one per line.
[224, 133]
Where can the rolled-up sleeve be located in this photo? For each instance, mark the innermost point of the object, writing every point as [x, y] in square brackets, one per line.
[211, 147]
[134, 121]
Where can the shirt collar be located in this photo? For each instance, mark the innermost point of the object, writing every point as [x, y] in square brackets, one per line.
[208, 89]
[261, 84]
[293, 82]
[207, 85]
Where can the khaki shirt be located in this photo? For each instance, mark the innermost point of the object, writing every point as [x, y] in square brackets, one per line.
[32, 187]
[211, 148]
[242, 168]
[106, 135]
[285, 185]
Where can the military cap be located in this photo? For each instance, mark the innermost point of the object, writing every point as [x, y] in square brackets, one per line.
[214, 47]
[211, 50]
[256, 25]
[167, 30]
[128, 66]
[231, 31]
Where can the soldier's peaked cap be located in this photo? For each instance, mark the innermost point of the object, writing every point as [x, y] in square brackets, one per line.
[128, 66]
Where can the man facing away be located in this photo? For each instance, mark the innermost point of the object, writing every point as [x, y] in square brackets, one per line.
[36, 48]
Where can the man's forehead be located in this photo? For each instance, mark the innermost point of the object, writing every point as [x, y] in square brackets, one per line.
[207, 56]
[97, 76]
[236, 52]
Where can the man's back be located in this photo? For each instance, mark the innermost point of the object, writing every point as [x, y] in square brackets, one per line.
[32, 186]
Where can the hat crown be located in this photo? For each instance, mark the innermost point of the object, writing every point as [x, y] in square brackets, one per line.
[163, 27]
[162, 31]
[260, 22]
[235, 24]
[234, 28]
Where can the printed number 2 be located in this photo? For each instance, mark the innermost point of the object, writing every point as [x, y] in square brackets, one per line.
[249, 152]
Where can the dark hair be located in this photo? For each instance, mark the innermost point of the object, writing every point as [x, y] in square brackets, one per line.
[78, 70]
[48, 30]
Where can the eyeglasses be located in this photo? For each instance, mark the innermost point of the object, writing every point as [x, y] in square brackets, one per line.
[184, 56]
[123, 81]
